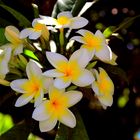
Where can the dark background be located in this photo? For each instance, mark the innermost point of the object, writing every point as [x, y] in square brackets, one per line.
[115, 123]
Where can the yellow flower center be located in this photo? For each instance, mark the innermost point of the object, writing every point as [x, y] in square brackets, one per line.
[92, 42]
[63, 20]
[38, 26]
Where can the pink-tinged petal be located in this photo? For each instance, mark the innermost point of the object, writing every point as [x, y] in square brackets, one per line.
[78, 22]
[83, 32]
[73, 97]
[32, 70]
[78, 39]
[85, 79]
[35, 35]
[47, 82]
[68, 118]
[18, 49]
[81, 56]
[41, 113]
[25, 33]
[53, 73]
[47, 125]
[56, 59]
[11, 33]
[24, 99]
[63, 82]
[39, 97]
[17, 85]
[104, 54]
[65, 13]
[48, 20]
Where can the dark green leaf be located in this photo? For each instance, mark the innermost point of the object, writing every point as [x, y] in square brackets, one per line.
[3, 39]
[77, 133]
[23, 21]
[18, 132]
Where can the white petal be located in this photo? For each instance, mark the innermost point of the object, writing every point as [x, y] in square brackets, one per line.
[56, 58]
[81, 56]
[48, 20]
[24, 99]
[25, 33]
[78, 22]
[47, 82]
[78, 39]
[106, 100]
[47, 125]
[85, 79]
[40, 113]
[65, 13]
[18, 49]
[39, 98]
[17, 85]
[99, 34]
[95, 88]
[53, 73]
[32, 69]
[68, 119]
[61, 83]
[35, 35]
[73, 97]
[104, 54]
[11, 33]
[83, 32]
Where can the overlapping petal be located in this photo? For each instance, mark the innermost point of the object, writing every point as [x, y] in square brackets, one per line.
[103, 88]
[56, 109]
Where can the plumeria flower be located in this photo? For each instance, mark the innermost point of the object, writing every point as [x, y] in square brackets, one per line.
[95, 44]
[56, 109]
[70, 71]
[39, 29]
[5, 56]
[12, 35]
[65, 20]
[103, 88]
[34, 87]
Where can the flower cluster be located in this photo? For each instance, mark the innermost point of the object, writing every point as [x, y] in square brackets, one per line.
[46, 83]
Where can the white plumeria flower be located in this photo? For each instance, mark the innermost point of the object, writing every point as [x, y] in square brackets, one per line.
[65, 20]
[12, 35]
[39, 29]
[56, 109]
[34, 87]
[95, 44]
[103, 88]
[72, 71]
[5, 56]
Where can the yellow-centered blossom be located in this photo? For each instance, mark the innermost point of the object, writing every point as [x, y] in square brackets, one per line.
[56, 109]
[12, 35]
[69, 71]
[39, 29]
[95, 44]
[32, 88]
[103, 87]
[65, 20]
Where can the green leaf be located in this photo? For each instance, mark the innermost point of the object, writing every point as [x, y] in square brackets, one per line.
[3, 39]
[77, 133]
[23, 21]
[30, 54]
[18, 132]
[108, 31]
